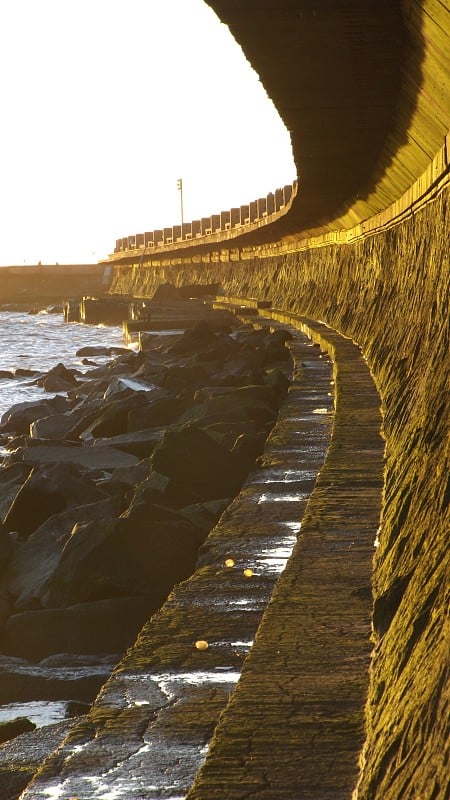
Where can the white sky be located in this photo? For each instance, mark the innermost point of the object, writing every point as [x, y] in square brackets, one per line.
[105, 104]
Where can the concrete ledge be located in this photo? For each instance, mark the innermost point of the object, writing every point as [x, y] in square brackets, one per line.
[296, 717]
[294, 726]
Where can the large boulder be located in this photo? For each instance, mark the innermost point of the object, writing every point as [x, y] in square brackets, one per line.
[198, 464]
[57, 379]
[103, 626]
[47, 491]
[121, 557]
[56, 426]
[164, 409]
[34, 560]
[141, 443]
[20, 416]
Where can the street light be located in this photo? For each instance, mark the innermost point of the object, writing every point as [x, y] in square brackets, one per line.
[180, 189]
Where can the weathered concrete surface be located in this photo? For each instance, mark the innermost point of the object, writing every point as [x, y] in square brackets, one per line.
[391, 293]
[149, 728]
[295, 724]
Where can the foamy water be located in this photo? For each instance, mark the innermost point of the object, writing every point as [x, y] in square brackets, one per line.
[39, 342]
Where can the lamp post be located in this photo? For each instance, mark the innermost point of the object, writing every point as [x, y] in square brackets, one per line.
[180, 189]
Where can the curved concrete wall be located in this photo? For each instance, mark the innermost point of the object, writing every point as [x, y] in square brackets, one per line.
[383, 70]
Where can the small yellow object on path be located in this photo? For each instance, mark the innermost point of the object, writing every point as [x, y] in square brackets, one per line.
[201, 644]
[229, 562]
[248, 572]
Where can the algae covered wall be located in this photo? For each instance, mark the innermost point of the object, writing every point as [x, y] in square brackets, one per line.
[389, 292]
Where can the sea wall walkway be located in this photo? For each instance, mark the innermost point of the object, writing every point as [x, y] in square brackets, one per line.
[295, 720]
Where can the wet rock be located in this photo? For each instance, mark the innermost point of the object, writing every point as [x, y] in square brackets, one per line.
[6, 374]
[57, 379]
[14, 727]
[56, 677]
[47, 491]
[20, 416]
[21, 757]
[103, 626]
[94, 350]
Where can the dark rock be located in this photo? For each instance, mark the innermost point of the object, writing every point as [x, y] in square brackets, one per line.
[56, 426]
[56, 677]
[113, 419]
[93, 458]
[14, 727]
[141, 443]
[5, 546]
[20, 372]
[93, 350]
[20, 416]
[104, 626]
[47, 491]
[247, 448]
[58, 379]
[12, 477]
[33, 561]
[199, 466]
[164, 409]
[75, 708]
[6, 374]
[179, 377]
[122, 557]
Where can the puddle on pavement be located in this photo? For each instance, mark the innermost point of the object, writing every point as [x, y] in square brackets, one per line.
[271, 497]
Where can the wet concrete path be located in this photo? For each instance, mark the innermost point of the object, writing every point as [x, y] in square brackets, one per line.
[295, 719]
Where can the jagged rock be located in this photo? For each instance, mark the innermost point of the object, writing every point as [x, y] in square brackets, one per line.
[14, 727]
[112, 420]
[47, 491]
[33, 561]
[121, 557]
[120, 386]
[20, 416]
[164, 409]
[198, 465]
[57, 379]
[103, 626]
[94, 458]
[141, 443]
[96, 350]
[56, 426]
[179, 377]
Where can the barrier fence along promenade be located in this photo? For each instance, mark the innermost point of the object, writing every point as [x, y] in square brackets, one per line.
[263, 210]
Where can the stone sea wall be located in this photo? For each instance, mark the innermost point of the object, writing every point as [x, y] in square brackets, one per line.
[389, 292]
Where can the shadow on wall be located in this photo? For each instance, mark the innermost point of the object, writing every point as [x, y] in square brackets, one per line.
[344, 78]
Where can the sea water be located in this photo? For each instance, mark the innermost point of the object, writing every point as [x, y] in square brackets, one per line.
[40, 342]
